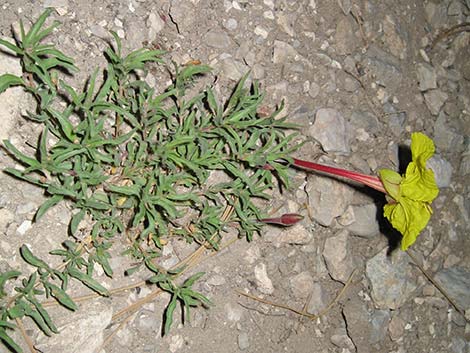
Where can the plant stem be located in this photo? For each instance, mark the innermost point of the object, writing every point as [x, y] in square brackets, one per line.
[368, 180]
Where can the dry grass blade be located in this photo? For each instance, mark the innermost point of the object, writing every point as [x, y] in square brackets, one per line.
[26, 338]
[436, 284]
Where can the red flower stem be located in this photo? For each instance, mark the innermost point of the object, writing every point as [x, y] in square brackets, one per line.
[369, 180]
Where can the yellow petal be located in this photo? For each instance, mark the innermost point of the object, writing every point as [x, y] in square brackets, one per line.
[422, 148]
[409, 217]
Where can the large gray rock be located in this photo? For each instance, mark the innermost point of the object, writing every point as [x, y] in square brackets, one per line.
[434, 100]
[328, 198]
[263, 282]
[331, 130]
[391, 279]
[217, 39]
[338, 258]
[362, 220]
[442, 170]
[345, 40]
[356, 311]
[427, 78]
[456, 282]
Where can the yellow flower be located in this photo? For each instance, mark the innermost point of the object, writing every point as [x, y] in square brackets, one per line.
[409, 209]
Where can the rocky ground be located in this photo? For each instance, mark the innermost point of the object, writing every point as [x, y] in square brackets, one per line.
[360, 75]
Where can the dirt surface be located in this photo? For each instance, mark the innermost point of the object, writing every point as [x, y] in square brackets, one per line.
[360, 76]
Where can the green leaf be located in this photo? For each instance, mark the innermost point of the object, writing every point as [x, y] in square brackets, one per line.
[19, 174]
[12, 47]
[31, 259]
[7, 325]
[39, 320]
[75, 221]
[32, 36]
[191, 280]
[131, 190]
[60, 190]
[64, 123]
[4, 277]
[44, 314]
[88, 281]
[8, 80]
[170, 309]
[9, 342]
[20, 156]
[55, 199]
[62, 297]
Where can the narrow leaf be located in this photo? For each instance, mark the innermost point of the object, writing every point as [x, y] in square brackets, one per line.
[8, 80]
[31, 259]
[46, 205]
[88, 281]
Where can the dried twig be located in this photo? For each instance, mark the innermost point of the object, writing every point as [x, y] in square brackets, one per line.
[463, 27]
[302, 312]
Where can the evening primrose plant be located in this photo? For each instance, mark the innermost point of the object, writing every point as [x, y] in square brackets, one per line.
[135, 164]
[409, 196]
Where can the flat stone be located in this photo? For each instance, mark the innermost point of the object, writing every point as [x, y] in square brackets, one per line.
[286, 22]
[393, 41]
[456, 282]
[465, 162]
[337, 255]
[427, 78]
[442, 170]
[314, 90]
[217, 39]
[344, 37]
[366, 121]
[302, 284]
[176, 343]
[354, 311]
[296, 234]
[80, 331]
[24, 227]
[445, 137]
[396, 328]
[243, 341]
[179, 11]
[331, 130]
[341, 339]
[365, 220]
[379, 325]
[55, 3]
[391, 279]
[216, 280]
[231, 24]
[232, 69]
[455, 8]
[345, 6]
[434, 100]
[282, 52]
[234, 312]
[263, 282]
[155, 24]
[328, 198]
[318, 300]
